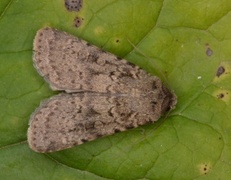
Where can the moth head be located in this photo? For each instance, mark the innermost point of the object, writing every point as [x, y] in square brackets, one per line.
[169, 100]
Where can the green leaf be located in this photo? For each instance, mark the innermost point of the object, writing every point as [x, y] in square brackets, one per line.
[187, 41]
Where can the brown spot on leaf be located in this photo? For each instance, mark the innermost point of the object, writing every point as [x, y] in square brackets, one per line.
[73, 5]
[220, 71]
[209, 52]
[204, 168]
[78, 21]
[220, 96]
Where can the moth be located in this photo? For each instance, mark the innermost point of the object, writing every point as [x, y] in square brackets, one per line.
[101, 93]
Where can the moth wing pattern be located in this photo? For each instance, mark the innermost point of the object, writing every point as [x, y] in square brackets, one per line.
[71, 64]
[103, 94]
[66, 120]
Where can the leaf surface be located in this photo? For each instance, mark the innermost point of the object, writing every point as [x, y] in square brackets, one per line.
[188, 42]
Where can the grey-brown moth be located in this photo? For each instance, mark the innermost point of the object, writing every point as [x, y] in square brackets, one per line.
[102, 94]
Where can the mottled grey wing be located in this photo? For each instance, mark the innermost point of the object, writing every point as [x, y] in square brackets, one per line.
[70, 64]
[66, 120]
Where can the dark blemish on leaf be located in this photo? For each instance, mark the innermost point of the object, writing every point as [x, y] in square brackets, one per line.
[73, 5]
[205, 169]
[117, 41]
[220, 96]
[78, 21]
[209, 52]
[220, 71]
